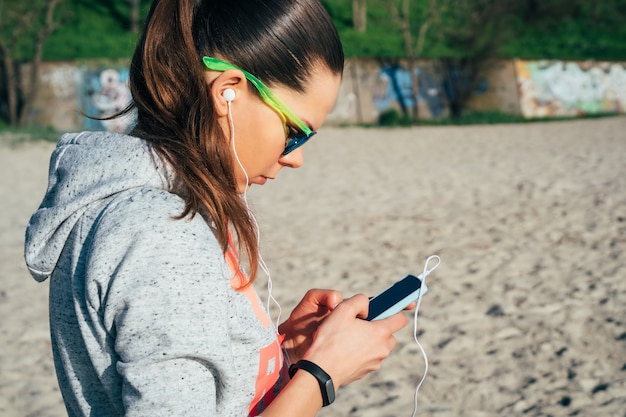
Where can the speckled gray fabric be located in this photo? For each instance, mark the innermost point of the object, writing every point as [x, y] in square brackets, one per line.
[144, 321]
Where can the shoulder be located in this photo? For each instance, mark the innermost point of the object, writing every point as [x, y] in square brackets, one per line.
[142, 229]
[144, 254]
[152, 213]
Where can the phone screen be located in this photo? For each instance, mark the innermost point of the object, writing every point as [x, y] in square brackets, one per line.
[401, 290]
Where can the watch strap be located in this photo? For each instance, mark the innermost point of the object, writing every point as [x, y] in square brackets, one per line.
[325, 381]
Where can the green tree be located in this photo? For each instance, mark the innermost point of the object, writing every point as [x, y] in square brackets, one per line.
[467, 36]
[462, 34]
[574, 29]
[413, 43]
[24, 29]
[127, 12]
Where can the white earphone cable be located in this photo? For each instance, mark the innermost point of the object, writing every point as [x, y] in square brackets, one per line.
[425, 273]
[270, 297]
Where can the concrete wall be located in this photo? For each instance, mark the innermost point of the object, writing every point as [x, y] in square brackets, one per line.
[499, 90]
[532, 88]
[57, 102]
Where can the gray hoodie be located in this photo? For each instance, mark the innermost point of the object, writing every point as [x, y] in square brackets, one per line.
[144, 319]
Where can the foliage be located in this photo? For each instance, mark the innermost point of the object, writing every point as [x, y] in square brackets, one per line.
[569, 39]
[24, 30]
[546, 29]
[461, 35]
[381, 39]
[98, 29]
[21, 22]
[570, 28]
[557, 29]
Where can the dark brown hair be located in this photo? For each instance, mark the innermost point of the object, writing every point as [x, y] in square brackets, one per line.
[279, 41]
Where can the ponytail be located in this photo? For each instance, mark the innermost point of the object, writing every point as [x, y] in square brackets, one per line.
[176, 115]
[280, 41]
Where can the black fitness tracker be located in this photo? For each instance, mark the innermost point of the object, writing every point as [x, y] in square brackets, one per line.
[326, 383]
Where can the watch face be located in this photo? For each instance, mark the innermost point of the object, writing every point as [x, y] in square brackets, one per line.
[329, 389]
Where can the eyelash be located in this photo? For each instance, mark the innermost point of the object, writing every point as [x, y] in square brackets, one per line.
[292, 132]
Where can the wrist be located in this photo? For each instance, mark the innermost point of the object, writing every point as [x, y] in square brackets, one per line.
[325, 382]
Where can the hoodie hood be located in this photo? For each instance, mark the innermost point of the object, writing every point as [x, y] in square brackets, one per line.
[86, 168]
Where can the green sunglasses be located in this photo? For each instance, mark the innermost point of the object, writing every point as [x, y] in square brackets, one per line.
[294, 141]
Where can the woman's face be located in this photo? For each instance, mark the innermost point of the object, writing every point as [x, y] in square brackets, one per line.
[260, 132]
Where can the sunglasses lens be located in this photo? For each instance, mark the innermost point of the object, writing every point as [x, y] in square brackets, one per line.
[295, 143]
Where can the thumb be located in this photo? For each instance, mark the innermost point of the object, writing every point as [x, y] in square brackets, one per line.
[328, 299]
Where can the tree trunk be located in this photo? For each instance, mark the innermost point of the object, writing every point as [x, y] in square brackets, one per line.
[402, 20]
[8, 72]
[47, 29]
[417, 53]
[461, 77]
[134, 15]
[411, 58]
[359, 15]
[11, 85]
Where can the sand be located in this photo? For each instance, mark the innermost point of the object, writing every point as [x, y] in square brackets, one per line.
[525, 315]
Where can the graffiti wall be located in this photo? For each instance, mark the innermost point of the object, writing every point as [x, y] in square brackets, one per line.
[105, 92]
[370, 87]
[558, 88]
[70, 92]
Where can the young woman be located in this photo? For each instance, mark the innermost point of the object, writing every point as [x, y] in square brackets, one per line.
[151, 312]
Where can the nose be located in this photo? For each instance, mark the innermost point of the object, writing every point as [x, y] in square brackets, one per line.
[293, 159]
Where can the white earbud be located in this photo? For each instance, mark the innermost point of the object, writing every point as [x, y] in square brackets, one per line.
[229, 94]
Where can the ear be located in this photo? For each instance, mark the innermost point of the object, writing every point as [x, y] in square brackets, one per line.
[230, 79]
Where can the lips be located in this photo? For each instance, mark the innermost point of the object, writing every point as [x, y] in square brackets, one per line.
[261, 180]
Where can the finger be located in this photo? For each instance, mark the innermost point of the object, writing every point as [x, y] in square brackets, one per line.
[392, 343]
[356, 306]
[331, 299]
[411, 306]
[395, 322]
[324, 298]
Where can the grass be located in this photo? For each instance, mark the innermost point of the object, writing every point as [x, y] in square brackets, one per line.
[16, 135]
[392, 118]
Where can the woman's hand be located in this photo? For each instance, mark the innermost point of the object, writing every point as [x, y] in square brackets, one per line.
[305, 319]
[348, 347]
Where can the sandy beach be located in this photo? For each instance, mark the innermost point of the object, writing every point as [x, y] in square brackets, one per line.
[525, 316]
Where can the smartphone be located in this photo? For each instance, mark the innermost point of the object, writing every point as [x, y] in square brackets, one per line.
[396, 298]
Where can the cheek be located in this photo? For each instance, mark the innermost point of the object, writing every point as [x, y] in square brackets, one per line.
[269, 134]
